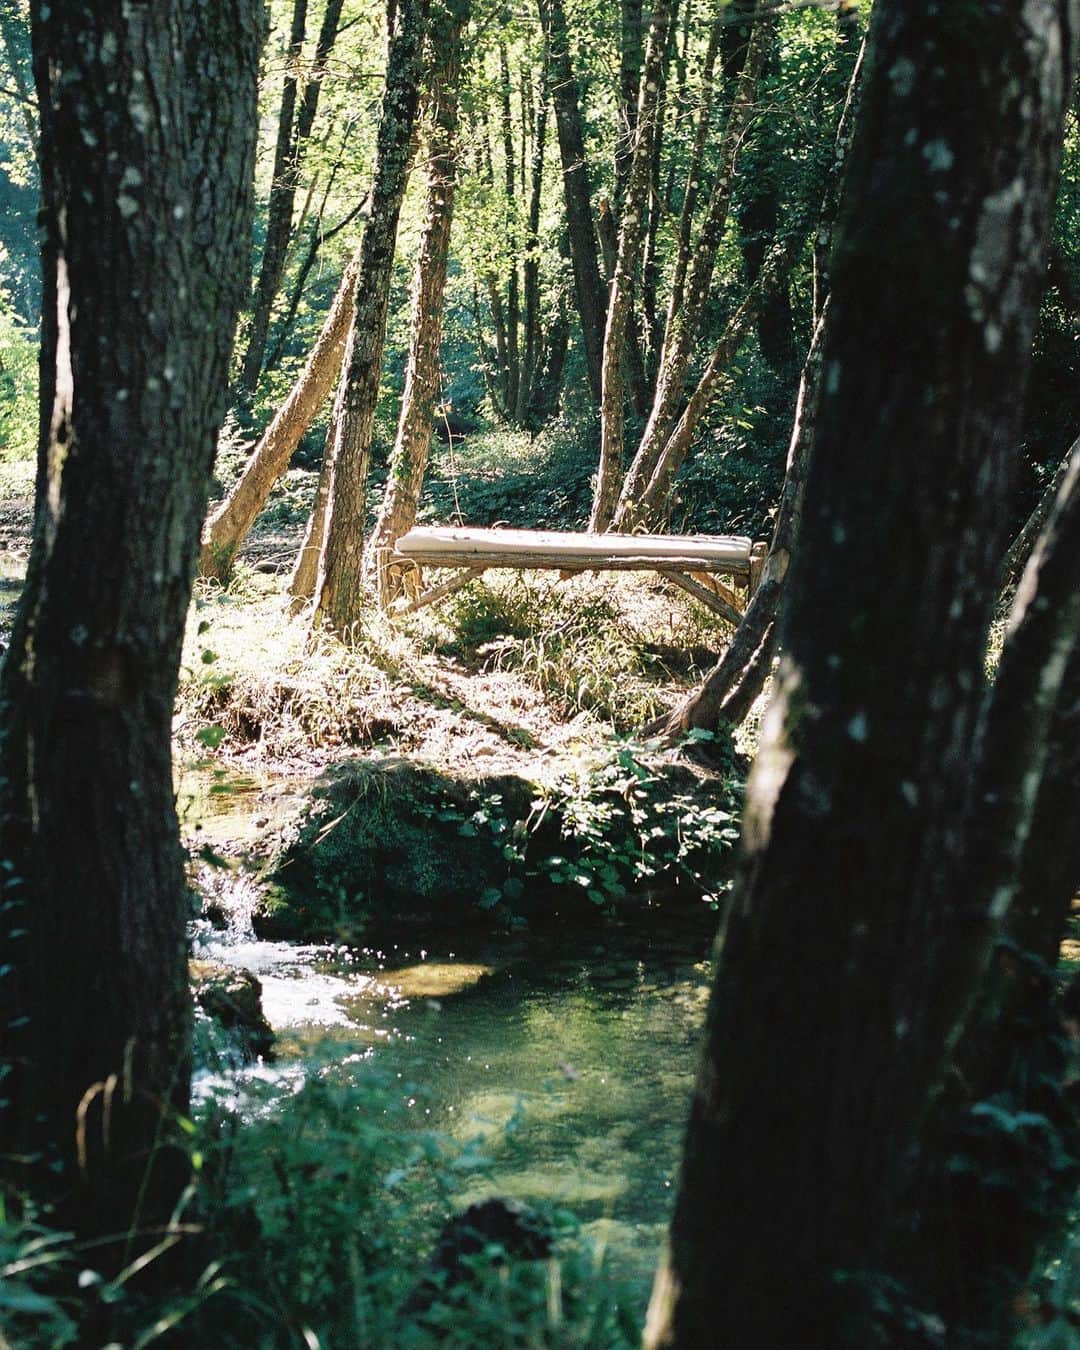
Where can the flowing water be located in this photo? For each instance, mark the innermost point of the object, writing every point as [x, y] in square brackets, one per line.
[571, 1058]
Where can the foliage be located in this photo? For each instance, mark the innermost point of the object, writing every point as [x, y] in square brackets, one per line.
[608, 830]
[18, 386]
[316, 1215]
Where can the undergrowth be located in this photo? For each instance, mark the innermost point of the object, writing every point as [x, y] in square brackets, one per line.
[309, 1223]
[616, 652]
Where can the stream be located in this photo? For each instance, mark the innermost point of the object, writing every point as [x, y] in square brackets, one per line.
[570, 1058]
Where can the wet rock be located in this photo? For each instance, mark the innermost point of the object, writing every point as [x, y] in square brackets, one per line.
[233, 998]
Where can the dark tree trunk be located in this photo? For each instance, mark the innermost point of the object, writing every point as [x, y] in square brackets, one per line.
[148, 119]
[844, 963]
[983, 1201]
[589, 291]
[340, 589]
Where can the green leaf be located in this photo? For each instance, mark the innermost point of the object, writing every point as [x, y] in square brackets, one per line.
[211, 736]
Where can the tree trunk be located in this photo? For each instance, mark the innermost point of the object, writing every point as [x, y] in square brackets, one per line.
[846, 907]
[648, 506]
[227, 526]
[512, 373]
[631, 56]
[589, 291]
[280, 208]
[1020, 549]
[732, 686]
[148, 117]
[612, 413]
[340, 566]
[692, 190]
[408, 461]
[971, 1243]
[684, 323]
[294, 129]
[531, 266]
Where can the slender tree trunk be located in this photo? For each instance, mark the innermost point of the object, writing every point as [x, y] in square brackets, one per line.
[148, 117]
[340, 566]
[408, 460]
[732, 687]
[513, 296]
[684, 323]
[834, 183]
[631, 56]
[228, 525]
[305, 574]
[648, 505]
[612, 413]
[735, 682]
[589, 290]
[694, 170]
[294, 131]
[1021, 547]
[13, 34]
[280, 209]
[531, 266]
[846, 907]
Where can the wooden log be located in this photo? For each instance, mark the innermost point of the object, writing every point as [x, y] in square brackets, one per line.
[572, 562]
[705, 595]
[707, 553]
[439, 592]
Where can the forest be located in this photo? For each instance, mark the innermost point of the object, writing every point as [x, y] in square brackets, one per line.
[540, 683]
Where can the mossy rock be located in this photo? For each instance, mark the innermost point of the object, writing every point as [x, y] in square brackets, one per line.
[389, 844]
[384, 847]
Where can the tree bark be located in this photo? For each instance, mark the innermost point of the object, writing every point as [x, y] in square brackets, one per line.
[340, 588]
[612, 413]
[408, 460]
[845, 905]
[148, 117]
[228, 525]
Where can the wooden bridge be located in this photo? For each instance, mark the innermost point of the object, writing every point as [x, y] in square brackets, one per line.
[694, 562]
